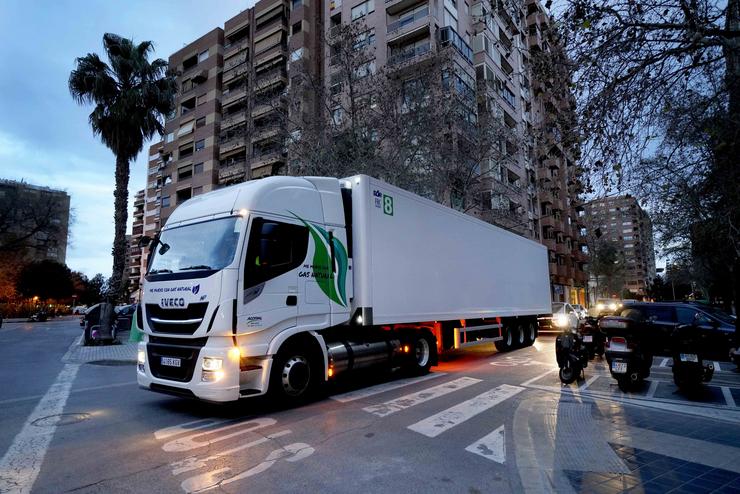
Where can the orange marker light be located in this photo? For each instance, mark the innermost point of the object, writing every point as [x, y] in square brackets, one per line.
[331, 372]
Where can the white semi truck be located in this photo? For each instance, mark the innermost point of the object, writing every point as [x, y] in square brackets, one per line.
[283, 283]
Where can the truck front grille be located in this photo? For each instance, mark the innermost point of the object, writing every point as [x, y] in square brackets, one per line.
[176, 321]
[179, 348]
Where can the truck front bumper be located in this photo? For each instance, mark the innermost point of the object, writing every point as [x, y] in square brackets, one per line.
[186, 376]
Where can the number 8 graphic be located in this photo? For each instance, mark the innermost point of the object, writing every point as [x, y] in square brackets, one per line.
[388, 205]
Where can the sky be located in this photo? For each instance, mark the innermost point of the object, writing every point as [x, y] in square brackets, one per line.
[45, 138]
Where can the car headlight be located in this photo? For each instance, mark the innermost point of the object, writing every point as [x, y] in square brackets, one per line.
[600, 306]
[212, 363]
[561, 320]
[612, 306]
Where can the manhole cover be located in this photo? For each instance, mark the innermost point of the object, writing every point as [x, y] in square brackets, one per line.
[111, 363]
[61, 419]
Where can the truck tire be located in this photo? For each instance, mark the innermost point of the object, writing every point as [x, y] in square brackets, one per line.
[424, 353]
[294, 377]
[507, 342]
[530, 334]
[520, 338]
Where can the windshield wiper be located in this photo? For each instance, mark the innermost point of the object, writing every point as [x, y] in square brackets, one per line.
[160, 271]
[197, 266]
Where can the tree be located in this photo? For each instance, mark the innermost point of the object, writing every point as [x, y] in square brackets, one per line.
[607, 266]
[46, 280]
[132, 96]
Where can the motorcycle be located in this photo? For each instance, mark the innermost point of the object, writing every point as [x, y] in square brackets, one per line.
[689, 370]
[593, 338]
[628, 357]
[571, 356]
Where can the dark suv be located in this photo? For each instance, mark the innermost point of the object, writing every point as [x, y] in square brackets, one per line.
[658, 320]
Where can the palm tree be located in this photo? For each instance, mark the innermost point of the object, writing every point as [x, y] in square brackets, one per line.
[131, 96]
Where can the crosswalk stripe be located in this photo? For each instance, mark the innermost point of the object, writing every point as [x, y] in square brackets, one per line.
[382, 388]
[664, 362]
[393, 406]
[186, 427]
[491, 446]
[717, 367]
[440, 422]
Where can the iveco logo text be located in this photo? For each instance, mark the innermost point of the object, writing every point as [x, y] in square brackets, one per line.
[172, 302]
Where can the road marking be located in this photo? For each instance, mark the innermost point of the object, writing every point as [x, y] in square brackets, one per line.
[664, 363]
[218, 478]
[537, 378]
[728, 396]
[21, 464]
[382, 388]
[516, 362]
[393, 406]
[186, 427]
[440, 422]
[190, 442]
[651, 390]
[589, 382]
[717, 367]
[193, 462]
[491, 446]
[78, 390]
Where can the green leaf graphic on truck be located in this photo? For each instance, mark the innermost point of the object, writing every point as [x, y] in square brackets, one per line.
[334, 288]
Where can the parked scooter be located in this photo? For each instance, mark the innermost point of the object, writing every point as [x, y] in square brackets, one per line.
[593, 338]
[571, 355]
[689, 370]
[628, 357]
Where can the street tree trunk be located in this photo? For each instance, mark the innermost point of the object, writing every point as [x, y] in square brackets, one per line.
[120, 217]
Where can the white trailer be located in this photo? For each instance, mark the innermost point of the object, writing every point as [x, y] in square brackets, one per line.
[283, 283]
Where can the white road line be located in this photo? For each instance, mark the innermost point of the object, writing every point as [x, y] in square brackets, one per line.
[190, 442]
[78, 390]
[537, 378]
[193, 462]
[440, 422]
[664, 362]
[717, 367]
[588, 382]
[728, 396]
[382, 388]
[186, 427]
[21, 464]
[491, 446]
[651, 389]
[393, 406]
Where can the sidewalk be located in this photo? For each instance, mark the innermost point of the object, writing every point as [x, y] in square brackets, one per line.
[123, 353]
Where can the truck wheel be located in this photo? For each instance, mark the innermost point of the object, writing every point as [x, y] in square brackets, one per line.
[507, 342]
[294, 376]
[424, 350]
[530, 334]
[520, 336]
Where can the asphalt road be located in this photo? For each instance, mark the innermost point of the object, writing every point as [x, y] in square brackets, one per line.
[481, 422]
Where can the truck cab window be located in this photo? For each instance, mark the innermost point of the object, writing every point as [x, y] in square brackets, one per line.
[274, 248]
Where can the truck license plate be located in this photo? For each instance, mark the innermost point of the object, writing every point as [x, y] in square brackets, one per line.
[588, 339]
[619, 367]
[689, 357]
[171, 361]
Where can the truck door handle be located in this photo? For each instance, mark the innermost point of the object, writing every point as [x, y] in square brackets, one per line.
[291, 300]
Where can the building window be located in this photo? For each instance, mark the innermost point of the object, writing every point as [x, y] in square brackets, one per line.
[202, 56]
[165, 201]
[170, 137]
[185, 151]
[200, 144]
[363, 9]
[296, 55]
[197, 168]
[297, 27]
[202, 99]
[183, 195]
[201, 122]
[184, 172]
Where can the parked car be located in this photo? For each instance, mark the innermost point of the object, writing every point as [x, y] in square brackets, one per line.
[563, 316]
[79, 309]
[124, 316]
[657, 322]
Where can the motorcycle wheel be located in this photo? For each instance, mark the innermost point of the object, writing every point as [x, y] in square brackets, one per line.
[568, 374]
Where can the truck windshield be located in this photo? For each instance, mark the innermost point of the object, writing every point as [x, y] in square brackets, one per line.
[209, 245]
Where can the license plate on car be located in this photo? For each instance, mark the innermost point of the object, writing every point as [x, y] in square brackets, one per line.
[588, 339]
[619, 367]
[689, 357]
[171, 361]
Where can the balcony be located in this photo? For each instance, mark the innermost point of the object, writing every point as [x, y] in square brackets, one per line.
[232, 143]
[396, 6]
[233, 73]
[233, 119]
[448, 36]
[408, 26]
[234, 95]
[267, 158]
[266, 132]
[235, 47]
[232, 172]
[412, 55]
[267, 79]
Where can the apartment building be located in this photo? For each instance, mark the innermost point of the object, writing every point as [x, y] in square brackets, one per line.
[42, 213]
[136, 256]
[622, 221]
[226, 126]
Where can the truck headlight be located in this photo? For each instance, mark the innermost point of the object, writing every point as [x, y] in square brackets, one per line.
[561, 320]
[212, 363]
[141, 357]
